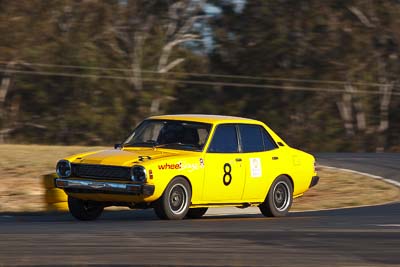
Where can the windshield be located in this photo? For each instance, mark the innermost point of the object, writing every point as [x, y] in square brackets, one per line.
[171, 134]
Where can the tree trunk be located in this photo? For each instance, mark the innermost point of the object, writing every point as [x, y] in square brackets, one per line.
[5, 88]
[386, 92]
[346, 111]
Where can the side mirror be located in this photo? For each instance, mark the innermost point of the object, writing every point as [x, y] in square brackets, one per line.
[117, 146]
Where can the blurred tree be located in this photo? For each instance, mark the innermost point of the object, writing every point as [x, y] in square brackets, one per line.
[75, 37]
[330, 40]
[152, 30]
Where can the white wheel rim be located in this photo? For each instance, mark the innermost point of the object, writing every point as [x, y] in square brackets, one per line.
[281, 196]
[178, 199]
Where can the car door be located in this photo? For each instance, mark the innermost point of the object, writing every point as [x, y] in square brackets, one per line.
[224, 170]
[261, 159]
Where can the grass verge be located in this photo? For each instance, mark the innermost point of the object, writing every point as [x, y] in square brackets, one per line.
[21, 188]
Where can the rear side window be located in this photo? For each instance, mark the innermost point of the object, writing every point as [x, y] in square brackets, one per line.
[269, 143]
[251, 138]
[224, 140]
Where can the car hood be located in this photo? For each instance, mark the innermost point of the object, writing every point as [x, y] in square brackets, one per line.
[118, 157]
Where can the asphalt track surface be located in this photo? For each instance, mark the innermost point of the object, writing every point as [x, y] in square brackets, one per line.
[368, 236]
[382, 164]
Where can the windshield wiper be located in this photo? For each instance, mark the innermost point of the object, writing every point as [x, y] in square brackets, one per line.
[178, 144]
[148, 143]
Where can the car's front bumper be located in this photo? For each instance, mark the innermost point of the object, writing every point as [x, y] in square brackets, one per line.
[90, 186]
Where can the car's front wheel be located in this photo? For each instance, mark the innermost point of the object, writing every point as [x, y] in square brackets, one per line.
[175, 201]
[279, 198]
[84, 210]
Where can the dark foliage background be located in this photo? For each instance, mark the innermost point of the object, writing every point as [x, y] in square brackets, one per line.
[323, 74]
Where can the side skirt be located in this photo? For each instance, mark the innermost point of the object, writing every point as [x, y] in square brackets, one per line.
[216, 205]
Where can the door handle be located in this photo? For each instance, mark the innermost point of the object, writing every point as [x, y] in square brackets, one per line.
[275, 158]
[238, 159]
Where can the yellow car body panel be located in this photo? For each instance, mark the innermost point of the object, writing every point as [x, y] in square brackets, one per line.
[216, 179]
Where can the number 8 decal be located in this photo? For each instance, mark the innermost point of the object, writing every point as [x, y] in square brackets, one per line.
[227, 173]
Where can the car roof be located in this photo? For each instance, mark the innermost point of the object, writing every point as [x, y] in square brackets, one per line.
[214, 119]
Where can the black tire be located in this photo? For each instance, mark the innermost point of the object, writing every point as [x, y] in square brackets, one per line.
[84, 210]
[279, 198]
[175, 201]
[196, 213]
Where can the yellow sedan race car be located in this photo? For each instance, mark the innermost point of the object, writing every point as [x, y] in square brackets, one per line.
[181, 165]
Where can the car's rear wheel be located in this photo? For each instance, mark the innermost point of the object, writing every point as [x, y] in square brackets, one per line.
[279, 198]
[196, 213]
[175, 201]
[84, 210]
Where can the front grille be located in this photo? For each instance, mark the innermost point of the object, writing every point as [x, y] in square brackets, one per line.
[94, 191]
[101, 172]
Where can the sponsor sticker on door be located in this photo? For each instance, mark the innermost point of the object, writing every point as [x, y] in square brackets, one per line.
[255, 167]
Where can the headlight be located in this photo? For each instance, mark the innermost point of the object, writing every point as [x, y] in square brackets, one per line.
[138, 173]
[63, 168]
